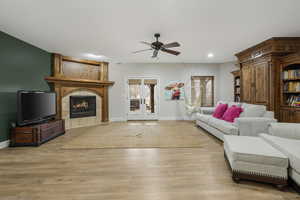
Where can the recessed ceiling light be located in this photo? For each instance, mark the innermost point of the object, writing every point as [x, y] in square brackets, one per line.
[94, 56]
[210, 55]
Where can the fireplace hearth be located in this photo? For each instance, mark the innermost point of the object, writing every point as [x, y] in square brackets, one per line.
[82, 106]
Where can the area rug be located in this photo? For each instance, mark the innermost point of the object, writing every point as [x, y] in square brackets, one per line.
[179, 134]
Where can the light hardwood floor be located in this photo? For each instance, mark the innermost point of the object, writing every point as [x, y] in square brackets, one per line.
[50, 172]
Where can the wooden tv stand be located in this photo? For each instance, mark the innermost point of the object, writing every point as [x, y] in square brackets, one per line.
[35, 135]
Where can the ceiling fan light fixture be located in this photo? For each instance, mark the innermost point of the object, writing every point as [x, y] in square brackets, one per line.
[158, 46]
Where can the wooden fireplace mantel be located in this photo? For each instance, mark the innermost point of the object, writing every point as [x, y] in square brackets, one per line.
[79, 82]
[70, 75]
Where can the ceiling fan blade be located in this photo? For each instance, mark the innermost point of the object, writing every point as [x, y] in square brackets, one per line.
[141, 50]
[176, 53]
[155, 52]
[170, 45]
[147, 43]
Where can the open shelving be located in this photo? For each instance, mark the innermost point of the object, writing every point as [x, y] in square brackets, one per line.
[291, 86]
[236, 85]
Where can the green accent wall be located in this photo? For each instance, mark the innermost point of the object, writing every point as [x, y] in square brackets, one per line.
[22, 67]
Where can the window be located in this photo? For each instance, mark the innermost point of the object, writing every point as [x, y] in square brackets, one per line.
[202, 90]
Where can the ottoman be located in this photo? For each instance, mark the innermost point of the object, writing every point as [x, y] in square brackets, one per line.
[251, 158]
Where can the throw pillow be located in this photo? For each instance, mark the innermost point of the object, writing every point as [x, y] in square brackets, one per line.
[220, 110]
[232, 113]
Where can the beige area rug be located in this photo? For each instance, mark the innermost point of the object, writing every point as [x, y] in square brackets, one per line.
[166, 134]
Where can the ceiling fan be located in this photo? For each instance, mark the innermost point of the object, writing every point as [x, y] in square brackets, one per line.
[159, 46]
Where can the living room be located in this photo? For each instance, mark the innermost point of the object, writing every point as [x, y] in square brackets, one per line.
[149, 99]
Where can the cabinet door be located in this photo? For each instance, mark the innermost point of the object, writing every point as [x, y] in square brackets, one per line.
[285, 116]
[296, 116]
[261, 83]
[246, 83]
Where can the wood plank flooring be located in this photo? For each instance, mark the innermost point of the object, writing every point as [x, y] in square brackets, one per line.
[50, 172]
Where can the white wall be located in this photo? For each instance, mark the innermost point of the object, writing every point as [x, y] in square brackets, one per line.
[168, 110]
[226, 81]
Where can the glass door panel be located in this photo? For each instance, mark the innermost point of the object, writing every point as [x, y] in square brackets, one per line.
[142, 96]
[150, 95]
[135, 95]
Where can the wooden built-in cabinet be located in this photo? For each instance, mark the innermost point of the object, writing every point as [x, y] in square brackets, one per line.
[261, 68]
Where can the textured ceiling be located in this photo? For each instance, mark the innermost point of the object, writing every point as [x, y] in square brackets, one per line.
[114, 27]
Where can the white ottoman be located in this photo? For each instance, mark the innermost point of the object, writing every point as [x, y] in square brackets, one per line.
[252, 158]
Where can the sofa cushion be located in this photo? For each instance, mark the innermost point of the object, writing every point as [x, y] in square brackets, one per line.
[241, 148]
[251, 110]
[290, 147]
[220, 110]
[285, 130]
[232, 113]
[226, 127]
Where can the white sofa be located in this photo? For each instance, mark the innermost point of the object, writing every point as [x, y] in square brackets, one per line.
[253, 120]
[264, 158]
[286, 138]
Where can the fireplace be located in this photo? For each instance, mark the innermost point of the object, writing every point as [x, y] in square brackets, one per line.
[82, 106]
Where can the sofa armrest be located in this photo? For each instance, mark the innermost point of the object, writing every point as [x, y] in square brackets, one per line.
[269, 114]
[207, 110]
[253, 126]
[285, 130]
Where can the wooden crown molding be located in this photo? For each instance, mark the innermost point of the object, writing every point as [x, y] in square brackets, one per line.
[273, 46]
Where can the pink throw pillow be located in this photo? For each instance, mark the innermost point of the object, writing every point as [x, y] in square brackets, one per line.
[220, 110]
[232, 113]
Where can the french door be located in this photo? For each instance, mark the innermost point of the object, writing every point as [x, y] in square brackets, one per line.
[142, 98]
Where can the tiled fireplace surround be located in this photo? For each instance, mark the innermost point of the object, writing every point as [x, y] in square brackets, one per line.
[84, 121]
[65, 88]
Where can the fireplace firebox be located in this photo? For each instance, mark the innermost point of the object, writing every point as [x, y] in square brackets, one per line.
[82, 106]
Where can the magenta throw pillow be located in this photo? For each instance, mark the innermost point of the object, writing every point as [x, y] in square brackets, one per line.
[232, 113]
[220, 110]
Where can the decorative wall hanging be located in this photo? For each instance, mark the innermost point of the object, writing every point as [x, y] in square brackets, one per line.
[174, 91]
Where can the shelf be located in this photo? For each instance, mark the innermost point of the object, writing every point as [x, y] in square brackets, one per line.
[292, 107]
[286, 80]
[74, 81]
[291, 92]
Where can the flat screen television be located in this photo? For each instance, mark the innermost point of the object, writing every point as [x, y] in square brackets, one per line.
[35, 107]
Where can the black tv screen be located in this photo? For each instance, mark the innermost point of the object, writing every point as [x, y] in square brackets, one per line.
[34, 107]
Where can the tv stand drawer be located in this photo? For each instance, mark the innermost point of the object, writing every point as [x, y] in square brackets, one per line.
[25, 138]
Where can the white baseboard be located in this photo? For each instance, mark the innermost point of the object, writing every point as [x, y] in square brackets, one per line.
[117, 119]
[4, 144]
[171, 118]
